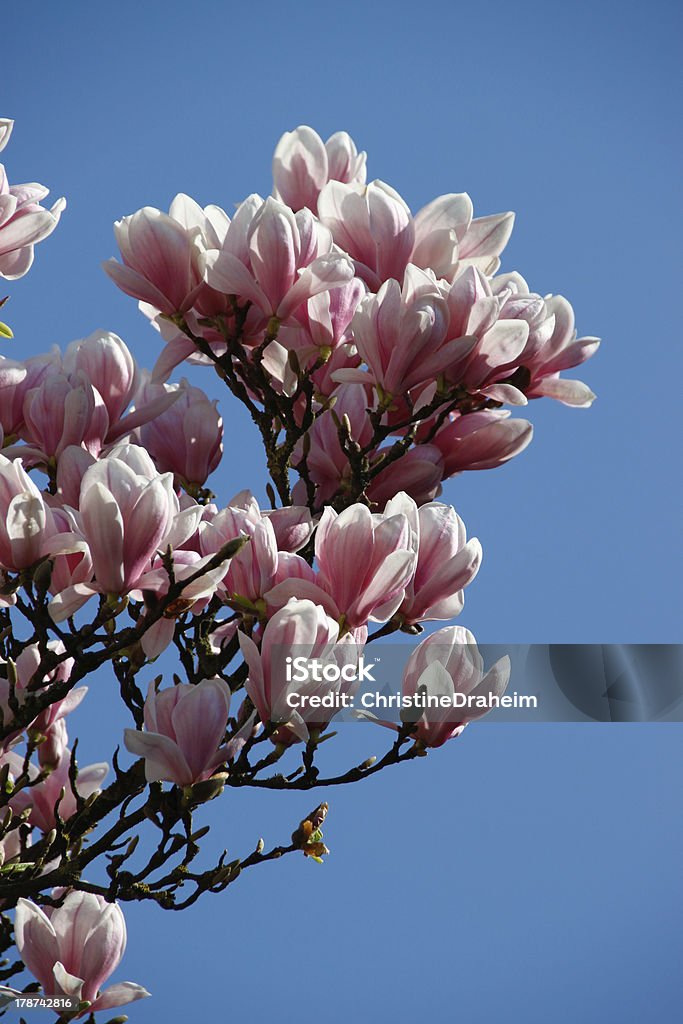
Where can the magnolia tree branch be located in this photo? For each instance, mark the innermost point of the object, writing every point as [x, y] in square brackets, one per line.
[376, 352]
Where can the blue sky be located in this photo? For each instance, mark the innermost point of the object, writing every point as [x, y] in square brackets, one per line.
[524, 873]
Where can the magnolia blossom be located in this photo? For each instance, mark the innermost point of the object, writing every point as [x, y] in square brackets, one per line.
[127, 512]
[161, 260]
[23, 221]
[481, 440]
[16, 380]
[499, 337]
[302, 629]
[106, 361]
[444, 687]
[25, 519]
[268, 557]
[65, 410]
[54, 794]
[49, 722]
[419, 473]
[402, 334]
[72, 949]
[444, 664]
[366, 562]
[303, 164]
[186, 439]
[184, 729]
[446, 561]
[124, 516]
[374, 225]
[278, 262]
[199, 584]
[292, 524]
[252, 570]
[323, 323]
[562, 351]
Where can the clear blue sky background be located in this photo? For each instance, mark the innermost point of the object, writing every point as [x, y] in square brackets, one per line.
[525, 873]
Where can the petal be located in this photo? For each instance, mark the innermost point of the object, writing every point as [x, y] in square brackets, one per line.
[487, 236]
[36, 941]
[69, 984]
[324, 273]
[228, 275]
[164, 761]
[569, 392]
[120, 994]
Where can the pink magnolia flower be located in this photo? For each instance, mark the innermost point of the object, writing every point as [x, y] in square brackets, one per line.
[64, 410]
[107, 363]
[127, 511]
[448, 239]
[402, 334]
[419, 473]
[444, 664]
[481, 440]
[366, 562]
[325, 323]
[303, 164]
[299, 629]
[210, 222]
[268, 559]
[252, 570]
[186, 439]
[498, 336]
[25, 519]
[161, 260]
[184, 732]
[518, 303]
[293, 526]
[193, 597]
[562, 351]
[446, 561]
[444, 687]
[14, 391]
[124, 517]
[374, 225]
[73, 949]
[279, 262]
[50, 721]
[440, 229]
[23, 221]
[46, 795]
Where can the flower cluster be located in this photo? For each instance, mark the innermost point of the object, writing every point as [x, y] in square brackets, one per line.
[401, 323]
[375, 349]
